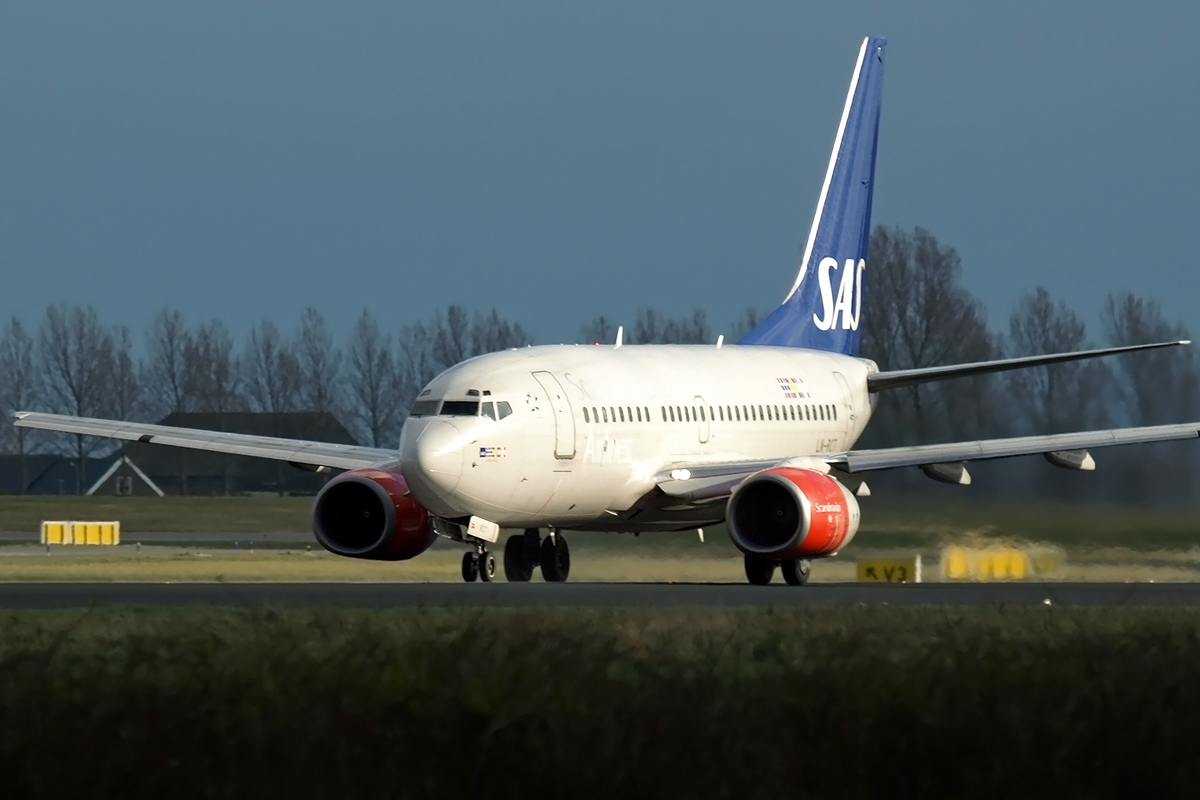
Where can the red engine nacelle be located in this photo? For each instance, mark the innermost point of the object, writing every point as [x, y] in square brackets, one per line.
[369, 513]
[786, 512]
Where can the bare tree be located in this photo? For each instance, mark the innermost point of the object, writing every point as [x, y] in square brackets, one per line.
[1161, 384]
[166, 375]
[653, 327]
[1154, 388]
[124, 386]
[319, 363]
[491, 333]
[601, 330]
[213, 371]
[271, 372]
[20, 388]
[451, 336]
[747, 322]
[76, 352]
[1060, 397]
[917, 314]
[214, 382]
[415, 365]
[371, 380]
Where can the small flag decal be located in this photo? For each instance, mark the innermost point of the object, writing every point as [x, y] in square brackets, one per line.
[793, 388]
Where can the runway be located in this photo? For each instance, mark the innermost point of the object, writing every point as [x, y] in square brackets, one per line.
[577, 595]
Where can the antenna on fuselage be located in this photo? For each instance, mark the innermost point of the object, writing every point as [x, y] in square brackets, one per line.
[720, 341]
[620, 336]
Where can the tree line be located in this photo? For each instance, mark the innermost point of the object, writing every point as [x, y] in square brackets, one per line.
[917, 313]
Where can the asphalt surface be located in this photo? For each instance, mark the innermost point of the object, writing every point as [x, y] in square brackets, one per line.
[540, 595]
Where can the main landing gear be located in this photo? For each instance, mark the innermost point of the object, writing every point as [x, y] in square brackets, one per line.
[796, 571]
[525, 551]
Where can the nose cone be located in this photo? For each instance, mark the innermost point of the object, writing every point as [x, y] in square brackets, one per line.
[439, 455]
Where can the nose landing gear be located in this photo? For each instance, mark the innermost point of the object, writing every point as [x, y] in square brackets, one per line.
[480, 564]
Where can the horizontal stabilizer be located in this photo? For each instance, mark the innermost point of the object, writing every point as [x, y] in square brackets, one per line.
[897, 379]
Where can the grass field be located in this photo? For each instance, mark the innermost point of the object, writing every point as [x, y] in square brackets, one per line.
[856, 703]
[166, 514]
[883, 525]
[1101, 544]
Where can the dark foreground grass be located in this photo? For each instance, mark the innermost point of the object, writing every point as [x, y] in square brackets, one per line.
[862, 703]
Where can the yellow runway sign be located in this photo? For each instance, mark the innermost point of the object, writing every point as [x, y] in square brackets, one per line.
[889, 570]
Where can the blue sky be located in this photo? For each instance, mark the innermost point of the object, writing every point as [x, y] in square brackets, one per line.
[557, 161]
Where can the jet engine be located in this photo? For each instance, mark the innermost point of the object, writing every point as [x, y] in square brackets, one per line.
[788, 512]
[369, 513]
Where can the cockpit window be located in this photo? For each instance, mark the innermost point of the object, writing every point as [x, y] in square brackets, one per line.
[460, 408]
[424, 408]
[504, 408]
[487, 410]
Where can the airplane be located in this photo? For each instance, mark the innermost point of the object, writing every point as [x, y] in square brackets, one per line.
[645, 438]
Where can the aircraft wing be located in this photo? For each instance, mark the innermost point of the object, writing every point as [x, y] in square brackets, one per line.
[294, 451]
[710, 482]
[896, 379]
[983, 449]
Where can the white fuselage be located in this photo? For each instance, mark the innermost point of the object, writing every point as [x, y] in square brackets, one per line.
[591, 426]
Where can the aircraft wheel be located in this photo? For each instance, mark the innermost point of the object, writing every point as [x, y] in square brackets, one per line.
[518, 567]
[487, 566]
[796, 571]
[759, 571]
[556, 559]
[533, 548]
[470, 567]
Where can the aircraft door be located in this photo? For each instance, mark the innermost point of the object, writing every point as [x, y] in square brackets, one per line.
[847, 408]
[564, 419]
[701, 418]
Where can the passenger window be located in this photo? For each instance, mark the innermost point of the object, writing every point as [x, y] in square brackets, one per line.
[586, 416]
[835, 413]
[672, 413]
[639, 414]
[664, 412]
[487, 410]
[605, 410]
[702, 419]
[808, 413]
[721, 413]
[822, 412]
[621, 411]
[503, 409]
[647, 413]
[760, 413]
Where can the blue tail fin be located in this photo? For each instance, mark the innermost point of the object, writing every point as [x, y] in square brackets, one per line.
[823, 309]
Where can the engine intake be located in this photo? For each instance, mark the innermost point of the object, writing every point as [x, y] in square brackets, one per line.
[369, 513]
[786, 512]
